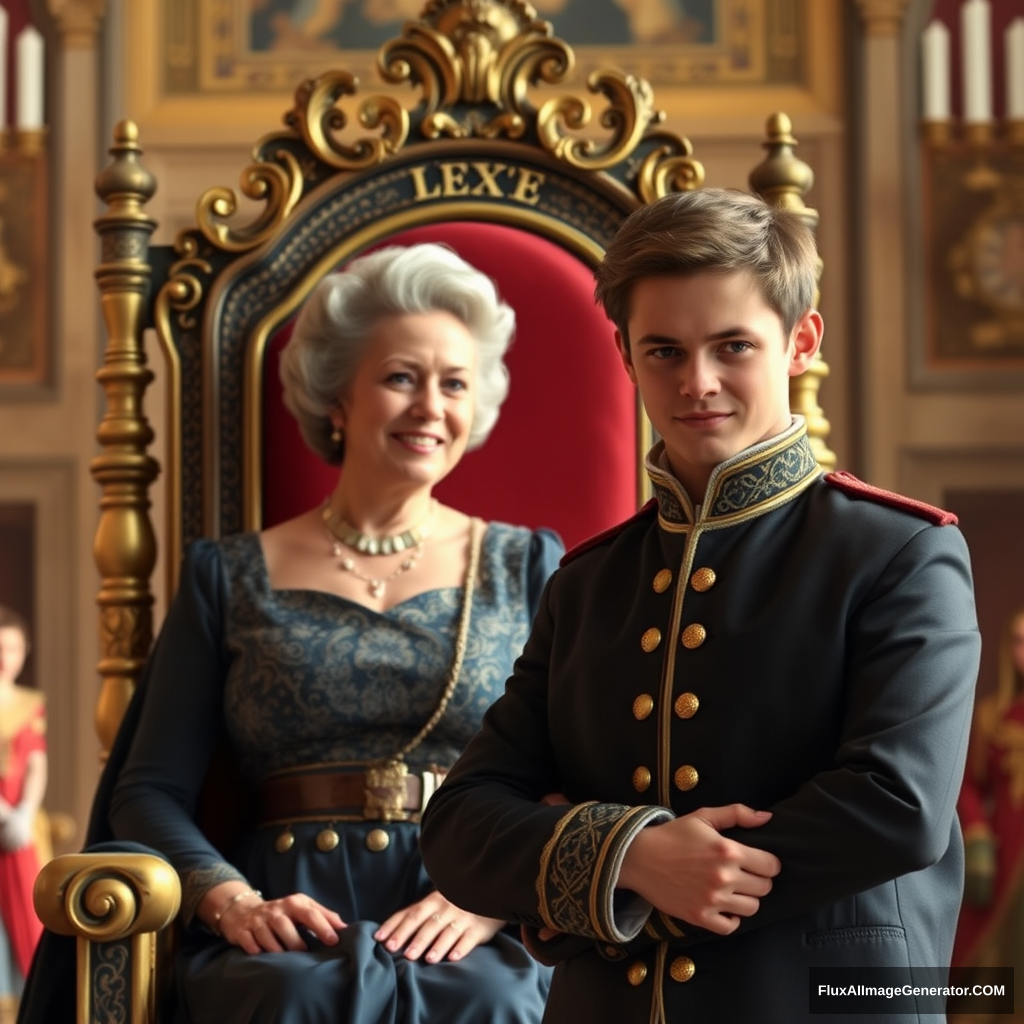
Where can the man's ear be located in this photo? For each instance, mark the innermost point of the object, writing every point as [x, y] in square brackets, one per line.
[805, 340]
[625, 356]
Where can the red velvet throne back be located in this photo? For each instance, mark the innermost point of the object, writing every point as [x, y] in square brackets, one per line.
[564, 451]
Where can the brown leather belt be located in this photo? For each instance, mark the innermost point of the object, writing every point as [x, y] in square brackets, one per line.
[382, 793]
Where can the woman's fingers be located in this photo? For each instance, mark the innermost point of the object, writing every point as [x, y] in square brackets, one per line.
[434, 929]
[273, 926]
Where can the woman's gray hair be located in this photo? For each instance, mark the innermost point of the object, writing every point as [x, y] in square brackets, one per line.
[331, 333]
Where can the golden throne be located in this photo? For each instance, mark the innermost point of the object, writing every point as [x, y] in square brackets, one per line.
[493, 154]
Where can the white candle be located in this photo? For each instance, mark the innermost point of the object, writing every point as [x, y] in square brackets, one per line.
[30, 79]
[1014, 40]
[3, 68]
[935, 72]
[975, 24]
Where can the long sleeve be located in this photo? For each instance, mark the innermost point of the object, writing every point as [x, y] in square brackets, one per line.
[179, 725]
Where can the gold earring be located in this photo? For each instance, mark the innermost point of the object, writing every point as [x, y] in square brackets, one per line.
[337, 436]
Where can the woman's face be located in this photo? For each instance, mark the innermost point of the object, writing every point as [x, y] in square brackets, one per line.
[408, 411]
[12, 653]
[1017, 644]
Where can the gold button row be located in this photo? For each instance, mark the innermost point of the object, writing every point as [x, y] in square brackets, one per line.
[685, 778]
[692, 637]
[685, 706]
[682, 969]
[327, 839]
[702, 580]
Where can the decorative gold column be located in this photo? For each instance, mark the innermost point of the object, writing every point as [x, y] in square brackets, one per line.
[125, 545]
[882, 17]
[881, 409]
[78, 20]
[783, 179]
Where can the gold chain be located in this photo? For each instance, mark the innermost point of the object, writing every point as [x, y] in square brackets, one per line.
[475, 535]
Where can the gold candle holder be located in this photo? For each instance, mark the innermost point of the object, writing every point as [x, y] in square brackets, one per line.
[937, 134]
[1014, 133]
[980, 138]
[30, 140]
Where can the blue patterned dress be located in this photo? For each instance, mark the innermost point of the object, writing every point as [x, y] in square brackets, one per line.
[297, 677]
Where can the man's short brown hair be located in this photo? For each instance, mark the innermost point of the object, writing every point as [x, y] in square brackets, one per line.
[711, 230]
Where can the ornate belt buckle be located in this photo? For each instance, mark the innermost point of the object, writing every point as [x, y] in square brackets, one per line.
[385, 791]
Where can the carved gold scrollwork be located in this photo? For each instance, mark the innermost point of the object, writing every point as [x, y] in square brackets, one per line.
[318, 119]
[473, 52]
[629, 113]
[183, 290]
[669, 168]
[277, 185]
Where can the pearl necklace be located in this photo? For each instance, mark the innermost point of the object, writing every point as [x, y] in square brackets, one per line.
[343, 535]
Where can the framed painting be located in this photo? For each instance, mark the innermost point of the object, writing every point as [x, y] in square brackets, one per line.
[24, 323]
[193, 65]
[270, 45]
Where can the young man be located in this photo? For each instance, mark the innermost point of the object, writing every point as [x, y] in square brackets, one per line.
[731, 750]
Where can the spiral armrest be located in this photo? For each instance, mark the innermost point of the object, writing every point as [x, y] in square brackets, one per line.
[106, 897]
[114, 904]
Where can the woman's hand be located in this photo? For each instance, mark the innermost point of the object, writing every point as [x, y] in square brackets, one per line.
[436, 928]
[272, 926]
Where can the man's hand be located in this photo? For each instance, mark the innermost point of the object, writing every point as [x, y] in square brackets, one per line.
[687, 870]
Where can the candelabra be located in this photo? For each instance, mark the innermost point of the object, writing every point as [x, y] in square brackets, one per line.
[24, 207]
[972, 189]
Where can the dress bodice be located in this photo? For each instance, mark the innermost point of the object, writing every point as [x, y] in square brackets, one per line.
[314, 677]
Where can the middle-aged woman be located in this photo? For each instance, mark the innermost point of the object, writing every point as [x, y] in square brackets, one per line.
[348, 655]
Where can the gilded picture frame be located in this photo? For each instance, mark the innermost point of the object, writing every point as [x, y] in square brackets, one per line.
[199, 70]
[270, 45]
[25, 362]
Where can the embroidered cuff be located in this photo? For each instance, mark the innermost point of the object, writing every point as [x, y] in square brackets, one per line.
[196, 884]
[579, 868]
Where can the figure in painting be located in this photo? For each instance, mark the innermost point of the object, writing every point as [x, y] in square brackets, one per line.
[22, 785]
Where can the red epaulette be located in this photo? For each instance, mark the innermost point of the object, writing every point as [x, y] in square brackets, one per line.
[600, 538]
[851, 485]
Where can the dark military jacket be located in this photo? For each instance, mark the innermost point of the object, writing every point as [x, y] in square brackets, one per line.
[799, 643]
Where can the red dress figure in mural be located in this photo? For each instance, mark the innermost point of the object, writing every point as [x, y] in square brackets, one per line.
[992, 814]
[22, 784]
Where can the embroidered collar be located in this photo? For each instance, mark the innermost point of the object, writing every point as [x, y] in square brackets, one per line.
[753, 482]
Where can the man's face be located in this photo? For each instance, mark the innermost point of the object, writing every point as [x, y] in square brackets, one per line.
[712, 363]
